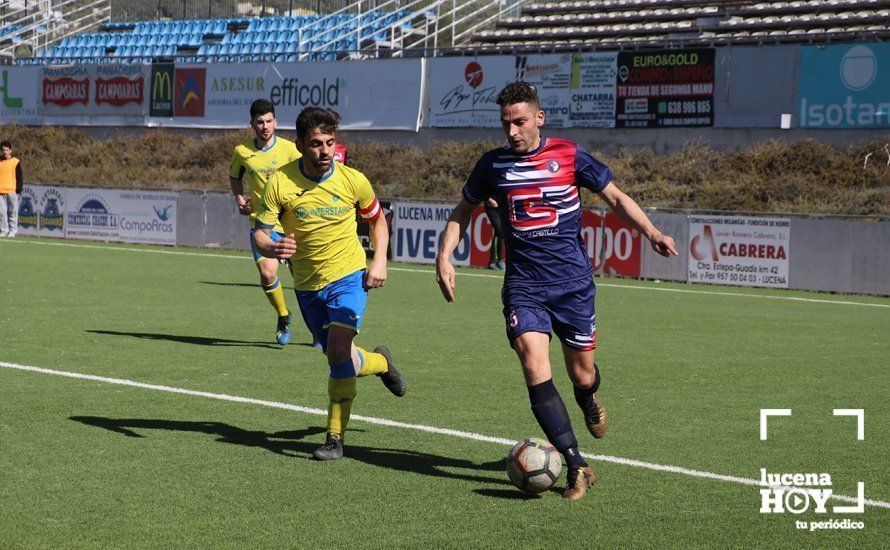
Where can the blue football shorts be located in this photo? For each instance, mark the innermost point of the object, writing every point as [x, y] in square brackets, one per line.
[566, 309]
[341, 303]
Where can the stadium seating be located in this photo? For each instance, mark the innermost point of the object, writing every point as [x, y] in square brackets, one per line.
[613, 24]
[302, 37]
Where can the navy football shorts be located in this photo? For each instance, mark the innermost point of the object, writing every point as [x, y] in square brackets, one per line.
[564, 308]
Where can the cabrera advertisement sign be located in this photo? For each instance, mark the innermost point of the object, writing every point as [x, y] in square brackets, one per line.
[845, 86]
[735, 251]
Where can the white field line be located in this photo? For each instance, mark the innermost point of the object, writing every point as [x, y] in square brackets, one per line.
[483, 275]
[419, 427]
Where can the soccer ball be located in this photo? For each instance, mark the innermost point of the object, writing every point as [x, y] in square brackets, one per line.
[533, 465]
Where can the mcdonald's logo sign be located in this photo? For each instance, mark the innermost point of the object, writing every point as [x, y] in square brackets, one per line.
[161, 90]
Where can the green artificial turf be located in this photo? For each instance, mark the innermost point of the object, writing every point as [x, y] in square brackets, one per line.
[87, 463]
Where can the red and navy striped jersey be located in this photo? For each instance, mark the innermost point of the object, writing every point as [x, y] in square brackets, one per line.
[540, 207]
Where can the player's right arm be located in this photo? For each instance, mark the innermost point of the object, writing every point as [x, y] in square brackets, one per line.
[236, 177]
[282, 249]
[476, 190]
[267, 215]
[454, 230]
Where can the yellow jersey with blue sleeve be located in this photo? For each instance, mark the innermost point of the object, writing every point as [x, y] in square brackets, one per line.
[255, 165]
[321, 214]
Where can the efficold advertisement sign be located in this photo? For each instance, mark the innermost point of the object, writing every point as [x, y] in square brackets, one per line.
[739, 251]
[845, 86]
[377, 94]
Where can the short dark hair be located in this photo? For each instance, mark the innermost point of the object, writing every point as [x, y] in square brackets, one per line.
[261, 107]
[316, 117]
[6, 143]
[519, 92]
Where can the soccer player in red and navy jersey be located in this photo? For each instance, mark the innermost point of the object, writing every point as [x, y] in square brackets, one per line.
[548, 285]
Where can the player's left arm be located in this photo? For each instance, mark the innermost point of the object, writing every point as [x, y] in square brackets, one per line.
[629, 211]
[267, 216]
[371, 211]
[592, 174]
[376, 274]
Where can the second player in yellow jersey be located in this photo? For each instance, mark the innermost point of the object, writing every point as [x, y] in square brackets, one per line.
[254, 160]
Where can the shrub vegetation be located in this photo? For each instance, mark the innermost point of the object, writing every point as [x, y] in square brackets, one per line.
[801, 176]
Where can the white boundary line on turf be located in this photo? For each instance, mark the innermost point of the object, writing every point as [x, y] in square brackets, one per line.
[483, 275]
[419, 427]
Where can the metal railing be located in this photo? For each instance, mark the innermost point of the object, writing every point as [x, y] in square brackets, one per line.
[148, 10]
[422, 27]
[45, 22]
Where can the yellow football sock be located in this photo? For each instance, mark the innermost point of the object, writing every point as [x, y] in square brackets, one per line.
[275, 294]
[341, 392]
[371, 363]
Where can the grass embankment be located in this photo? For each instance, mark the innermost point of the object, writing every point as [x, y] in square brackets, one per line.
[801, 176]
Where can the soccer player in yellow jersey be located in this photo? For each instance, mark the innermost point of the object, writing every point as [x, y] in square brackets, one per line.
[315, 199]
[256, 159]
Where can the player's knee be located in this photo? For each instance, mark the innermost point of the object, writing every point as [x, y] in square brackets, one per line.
[341, 369]
[536, 372]
[339, 352]
[268, 272]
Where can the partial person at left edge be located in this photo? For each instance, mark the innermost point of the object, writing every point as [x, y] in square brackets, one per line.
[11, 185]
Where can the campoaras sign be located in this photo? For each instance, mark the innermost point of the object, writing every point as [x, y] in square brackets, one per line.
[65, 91]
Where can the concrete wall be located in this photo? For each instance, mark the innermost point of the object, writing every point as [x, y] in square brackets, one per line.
[825, 255]
[655, 266]
[840, 256]
[753, 87]
[211, 220]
